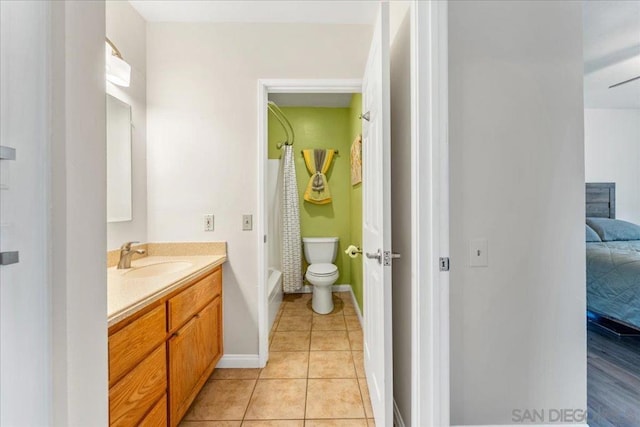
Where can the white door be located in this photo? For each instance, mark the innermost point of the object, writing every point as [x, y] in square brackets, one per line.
[376, 169]
[25, 309]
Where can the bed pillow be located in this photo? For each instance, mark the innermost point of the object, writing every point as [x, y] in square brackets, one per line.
[592, 236]
[614, 229]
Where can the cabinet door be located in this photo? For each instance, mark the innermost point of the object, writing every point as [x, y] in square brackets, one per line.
[191, 351]
[211, 330]
[183, 367]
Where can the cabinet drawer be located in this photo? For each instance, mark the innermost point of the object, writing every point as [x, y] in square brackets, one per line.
[132, 397]
[157, 416]
[190, 301]
[134, 342]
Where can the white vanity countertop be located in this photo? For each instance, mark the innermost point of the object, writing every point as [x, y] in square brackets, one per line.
[127, 295]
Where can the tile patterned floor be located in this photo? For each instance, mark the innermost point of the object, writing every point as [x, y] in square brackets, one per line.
[314, 378]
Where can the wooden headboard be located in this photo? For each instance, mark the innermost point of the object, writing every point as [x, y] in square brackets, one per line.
[601, 199]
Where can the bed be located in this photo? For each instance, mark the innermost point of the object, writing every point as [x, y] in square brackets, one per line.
[613, 260]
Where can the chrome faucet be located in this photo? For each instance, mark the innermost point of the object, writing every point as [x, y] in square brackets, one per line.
[126, 253]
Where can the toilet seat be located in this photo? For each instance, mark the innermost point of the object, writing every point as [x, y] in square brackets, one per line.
[322, 270]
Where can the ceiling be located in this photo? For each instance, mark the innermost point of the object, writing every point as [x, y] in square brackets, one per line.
[611, 53]
[252, 11]
[611, 33]
[335, 100]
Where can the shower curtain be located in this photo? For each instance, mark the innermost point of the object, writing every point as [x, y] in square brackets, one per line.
[291, 241]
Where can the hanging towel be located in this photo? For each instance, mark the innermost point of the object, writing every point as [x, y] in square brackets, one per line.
[318, 162]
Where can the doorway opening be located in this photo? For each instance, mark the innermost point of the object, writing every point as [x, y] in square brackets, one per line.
[376, 331]
[322, 170]
[321, 112]
[612, 153]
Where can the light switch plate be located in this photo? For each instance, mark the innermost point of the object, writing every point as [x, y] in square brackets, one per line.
[208, 222]
[247, 222]
[479, 253]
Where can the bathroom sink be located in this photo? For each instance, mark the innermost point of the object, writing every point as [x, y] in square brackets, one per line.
[157, 269]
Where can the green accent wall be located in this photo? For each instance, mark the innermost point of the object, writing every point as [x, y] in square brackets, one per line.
[318, 127]
[321, 128]
[355, 214]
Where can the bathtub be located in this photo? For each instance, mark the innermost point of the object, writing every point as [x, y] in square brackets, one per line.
[274, 292]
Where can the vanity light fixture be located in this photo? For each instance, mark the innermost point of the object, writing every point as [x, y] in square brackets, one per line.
[118, 71]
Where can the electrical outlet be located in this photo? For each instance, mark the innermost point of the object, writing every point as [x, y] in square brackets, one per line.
[208, 222]
[247, 222]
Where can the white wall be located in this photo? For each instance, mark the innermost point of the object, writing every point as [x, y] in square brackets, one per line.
[517, 179]
[402, 232]
[202, 134]
[612, 154]
[25, 287]
[128, 31]
[78, 215]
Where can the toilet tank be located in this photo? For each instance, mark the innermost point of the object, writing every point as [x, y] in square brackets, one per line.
[320, 249]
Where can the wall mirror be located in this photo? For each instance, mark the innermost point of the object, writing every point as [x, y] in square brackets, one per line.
[118, 160]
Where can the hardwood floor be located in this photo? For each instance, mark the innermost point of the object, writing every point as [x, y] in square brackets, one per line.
[613, 379]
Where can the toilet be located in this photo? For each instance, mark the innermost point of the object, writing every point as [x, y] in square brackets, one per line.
[320, 253]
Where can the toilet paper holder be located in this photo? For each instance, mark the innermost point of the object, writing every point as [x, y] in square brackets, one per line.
[353, 251]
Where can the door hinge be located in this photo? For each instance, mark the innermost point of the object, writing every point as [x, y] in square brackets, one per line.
[265, 238]
[444, 264]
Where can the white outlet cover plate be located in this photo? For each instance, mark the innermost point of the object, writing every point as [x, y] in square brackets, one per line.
[479, 253]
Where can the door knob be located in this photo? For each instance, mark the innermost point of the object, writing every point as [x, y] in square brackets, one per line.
[375, 255]
[383, 257]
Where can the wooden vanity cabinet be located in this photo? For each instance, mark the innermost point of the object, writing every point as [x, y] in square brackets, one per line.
[159, 360]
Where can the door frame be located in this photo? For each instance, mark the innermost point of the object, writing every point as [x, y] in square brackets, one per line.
[430, 401]
[430, 213]
[265, 87]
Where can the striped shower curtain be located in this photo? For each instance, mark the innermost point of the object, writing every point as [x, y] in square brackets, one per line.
[291, 241]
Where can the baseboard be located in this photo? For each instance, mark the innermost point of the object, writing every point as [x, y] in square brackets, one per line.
[525, 424]
[357, 307]
[397, 416]
[342, 288]
[239, 361]
[348, 288]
